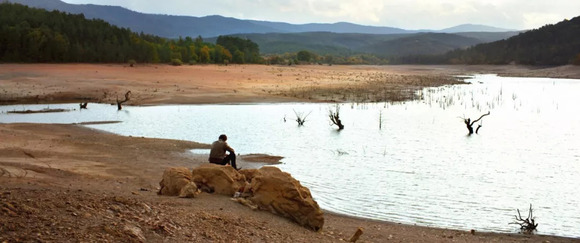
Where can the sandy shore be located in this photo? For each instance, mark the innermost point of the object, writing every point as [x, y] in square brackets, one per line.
[164, 84]
[70, 183]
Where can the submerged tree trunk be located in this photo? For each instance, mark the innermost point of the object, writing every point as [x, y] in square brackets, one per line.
[469, 123]
[120, 102]
[335, 117]
[300, 118]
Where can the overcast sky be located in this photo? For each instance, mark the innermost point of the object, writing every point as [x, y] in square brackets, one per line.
[406, 14]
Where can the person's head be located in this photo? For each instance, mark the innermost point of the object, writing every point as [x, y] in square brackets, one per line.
[223, 137]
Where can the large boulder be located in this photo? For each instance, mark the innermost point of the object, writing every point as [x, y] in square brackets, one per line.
[249, 173]
[177, 182]
[277, 191]
[269, 189]
[220, 179]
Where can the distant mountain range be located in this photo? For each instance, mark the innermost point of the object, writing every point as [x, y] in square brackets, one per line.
[550, 45]
[473, 28]
[212, 26]
[74, 38]
[277, 38]
[384, 45]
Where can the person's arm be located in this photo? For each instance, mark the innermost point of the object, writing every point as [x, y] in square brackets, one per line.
[230, 149]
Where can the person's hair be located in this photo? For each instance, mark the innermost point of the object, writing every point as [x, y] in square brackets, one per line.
[223, 137]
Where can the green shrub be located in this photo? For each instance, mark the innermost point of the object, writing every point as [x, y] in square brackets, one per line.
[577, 60]
[176, 62]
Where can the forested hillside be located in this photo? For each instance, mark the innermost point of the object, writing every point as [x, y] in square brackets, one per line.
[555, 44]
[323, 43]
[388, 45]
[35, 35]
[425, 43]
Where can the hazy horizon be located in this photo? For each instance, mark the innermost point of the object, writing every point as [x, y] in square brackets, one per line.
[408, 14]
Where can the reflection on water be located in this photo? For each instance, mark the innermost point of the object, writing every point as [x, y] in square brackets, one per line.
[410, 162]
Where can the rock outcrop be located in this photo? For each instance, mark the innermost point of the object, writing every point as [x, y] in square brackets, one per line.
[267, 188]
[277, 191]
[249, 173]
[177, 182]
[218, 179]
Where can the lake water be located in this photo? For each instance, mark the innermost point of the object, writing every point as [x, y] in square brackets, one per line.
[409, 162]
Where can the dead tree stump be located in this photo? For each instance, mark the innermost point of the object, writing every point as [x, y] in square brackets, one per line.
[356, 235]
[469, 123]
[300, 118]
[335, 117]
[120, 102]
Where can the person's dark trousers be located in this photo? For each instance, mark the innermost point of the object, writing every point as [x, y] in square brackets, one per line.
[230, 159]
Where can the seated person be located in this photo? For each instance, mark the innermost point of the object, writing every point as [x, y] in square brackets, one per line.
[217, 154]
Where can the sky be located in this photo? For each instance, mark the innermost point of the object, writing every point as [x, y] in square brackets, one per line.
[405, 14]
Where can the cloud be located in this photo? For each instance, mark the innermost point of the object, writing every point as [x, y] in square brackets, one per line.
[368, 11]
[535, 20]
[514, 14]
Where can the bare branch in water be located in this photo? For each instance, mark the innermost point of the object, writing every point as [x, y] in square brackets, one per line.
[335, 117]
[469, 123]
[528, 225]
[120, 102]
[300, 118]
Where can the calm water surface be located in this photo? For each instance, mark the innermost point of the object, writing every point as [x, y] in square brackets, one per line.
[408, 162]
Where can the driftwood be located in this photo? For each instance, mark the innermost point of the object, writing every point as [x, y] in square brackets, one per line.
[528, 225]
[469, 123]
[120, 102]
[335, 117]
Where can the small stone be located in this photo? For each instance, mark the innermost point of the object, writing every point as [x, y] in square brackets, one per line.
[134, 231]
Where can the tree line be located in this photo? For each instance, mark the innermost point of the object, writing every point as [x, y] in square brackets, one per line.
[554, 44]
[550, 45]
[311, 57]
[36, 35]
